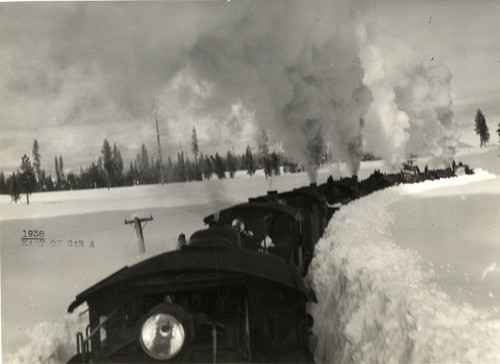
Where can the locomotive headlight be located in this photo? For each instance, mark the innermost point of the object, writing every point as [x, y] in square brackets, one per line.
[162, 336]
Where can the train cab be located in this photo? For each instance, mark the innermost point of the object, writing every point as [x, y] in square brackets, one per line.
[268, 227]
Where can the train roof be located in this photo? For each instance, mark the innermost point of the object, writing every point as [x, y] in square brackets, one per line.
[222, 260]
[305, 191]
[269, 206]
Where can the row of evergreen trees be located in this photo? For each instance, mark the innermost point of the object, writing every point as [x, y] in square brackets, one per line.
[109, 170]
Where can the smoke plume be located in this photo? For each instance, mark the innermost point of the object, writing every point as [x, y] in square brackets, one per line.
[296, 64]
[313, 72]
[412, 110]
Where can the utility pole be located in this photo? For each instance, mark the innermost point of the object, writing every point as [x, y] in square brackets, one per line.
[138, 229]
[158, 140]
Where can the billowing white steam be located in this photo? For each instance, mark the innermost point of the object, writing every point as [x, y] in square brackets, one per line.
[412, 110]
[297, 65]
[312, 73]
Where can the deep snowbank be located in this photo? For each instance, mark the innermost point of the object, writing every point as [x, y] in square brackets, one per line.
[378, 304]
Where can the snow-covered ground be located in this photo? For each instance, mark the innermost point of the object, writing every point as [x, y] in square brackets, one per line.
[408, 274]
[403, 279]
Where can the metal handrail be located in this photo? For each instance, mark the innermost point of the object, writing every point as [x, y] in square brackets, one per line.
[100, 325]
[79, 342]
[247, 331]
[80, 346]
[87, 333]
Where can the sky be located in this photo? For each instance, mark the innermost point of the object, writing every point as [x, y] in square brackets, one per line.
[387, 76]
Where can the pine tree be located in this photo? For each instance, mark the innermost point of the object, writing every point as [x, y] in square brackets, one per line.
[48, 183]
[219, 167]
[181, 166]
[37, 164]
[481, 128]
[108, 162]
[61, 171]
[73, 181]
[208, 168]
[170, 170]
[275, 163]
[3, 185]
[117, 160]
[129, 177]
[230, 164]
[249, 161]
[58, 174]
[14, 188]
[27, 178]
[194, 145]
[144, 165]
[154, 172]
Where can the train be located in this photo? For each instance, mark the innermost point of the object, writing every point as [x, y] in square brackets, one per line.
[235, 292]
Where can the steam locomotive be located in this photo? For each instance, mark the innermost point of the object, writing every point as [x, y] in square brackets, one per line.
[235, 293]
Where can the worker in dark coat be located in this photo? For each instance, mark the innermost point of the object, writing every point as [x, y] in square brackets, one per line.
[181, 241]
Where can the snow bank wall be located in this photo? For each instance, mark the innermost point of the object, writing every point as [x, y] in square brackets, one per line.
[376, 302]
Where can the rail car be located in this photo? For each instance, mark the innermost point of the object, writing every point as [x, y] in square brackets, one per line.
[235, 293]
[314, 216]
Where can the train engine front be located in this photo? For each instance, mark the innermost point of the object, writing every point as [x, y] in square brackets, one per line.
[211, 301]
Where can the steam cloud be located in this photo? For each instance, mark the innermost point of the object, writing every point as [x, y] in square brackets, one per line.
[297, 65]
[313, 72]
[412, 110]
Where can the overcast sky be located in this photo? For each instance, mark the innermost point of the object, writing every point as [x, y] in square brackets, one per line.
[74, 73]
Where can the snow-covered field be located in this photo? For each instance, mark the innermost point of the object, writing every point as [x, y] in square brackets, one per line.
[408, 274]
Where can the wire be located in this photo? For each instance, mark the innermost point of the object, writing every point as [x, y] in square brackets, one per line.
[129, 238]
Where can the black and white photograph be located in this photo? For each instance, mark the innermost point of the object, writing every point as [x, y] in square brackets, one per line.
[237, 181]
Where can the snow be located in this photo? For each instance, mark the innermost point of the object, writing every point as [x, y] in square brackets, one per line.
[381, 299]
[383, 295]
[489, 269]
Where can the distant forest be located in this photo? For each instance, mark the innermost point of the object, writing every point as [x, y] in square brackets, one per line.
[110, 171]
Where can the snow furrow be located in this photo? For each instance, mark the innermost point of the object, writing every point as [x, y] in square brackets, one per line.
[378, 304]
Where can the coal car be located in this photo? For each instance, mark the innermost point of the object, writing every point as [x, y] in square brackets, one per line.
[313, 208]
